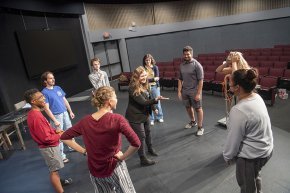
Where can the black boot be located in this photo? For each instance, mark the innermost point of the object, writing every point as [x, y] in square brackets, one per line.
[144, 161]
[152, 152]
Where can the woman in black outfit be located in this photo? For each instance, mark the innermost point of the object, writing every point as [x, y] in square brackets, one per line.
[139, 108]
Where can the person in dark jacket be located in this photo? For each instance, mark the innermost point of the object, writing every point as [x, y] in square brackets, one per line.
[139, 108]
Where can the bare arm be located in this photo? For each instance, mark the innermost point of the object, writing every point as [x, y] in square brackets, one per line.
[179, 88]
[235, 60]
[199, 90]
[72, 115]
[234, 67]
[50, 115]
[123, 156]
[73, 144]
[224, 68]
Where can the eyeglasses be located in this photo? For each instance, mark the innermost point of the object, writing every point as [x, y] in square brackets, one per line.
[38, 98]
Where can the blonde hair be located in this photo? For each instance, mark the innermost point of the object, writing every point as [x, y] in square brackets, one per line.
[135, 81]
[102, 95]
[95, 60]
[241, 62]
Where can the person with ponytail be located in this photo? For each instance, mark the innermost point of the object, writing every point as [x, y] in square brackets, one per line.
[101, 133]
[250, 139]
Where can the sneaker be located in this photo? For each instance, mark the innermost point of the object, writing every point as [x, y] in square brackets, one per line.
[160, 120]
[200, 132]
[65, 182]
[151, 122]
[65, 160]
[190, 125]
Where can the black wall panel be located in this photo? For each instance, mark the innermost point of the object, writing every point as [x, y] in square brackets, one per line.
[13, 76]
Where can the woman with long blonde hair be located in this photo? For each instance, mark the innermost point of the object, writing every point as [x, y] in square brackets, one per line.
[139, 108]
[234, 61]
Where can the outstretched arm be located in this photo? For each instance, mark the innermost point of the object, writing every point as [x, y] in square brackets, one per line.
[73, 144]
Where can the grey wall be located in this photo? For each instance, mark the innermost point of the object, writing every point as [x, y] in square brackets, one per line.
[164, 47]
[250, 30]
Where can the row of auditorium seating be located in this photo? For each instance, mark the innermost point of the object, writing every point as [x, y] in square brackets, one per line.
[272, 69]
[268, 84]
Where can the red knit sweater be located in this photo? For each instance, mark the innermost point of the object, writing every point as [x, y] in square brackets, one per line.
[41, 131]
[102, 139]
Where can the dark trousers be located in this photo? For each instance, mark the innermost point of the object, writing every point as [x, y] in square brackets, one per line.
[144, 134]
[248, 174]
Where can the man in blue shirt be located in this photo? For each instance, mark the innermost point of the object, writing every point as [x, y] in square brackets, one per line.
[57, 106]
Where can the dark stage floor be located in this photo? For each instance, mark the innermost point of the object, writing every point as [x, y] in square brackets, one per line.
[186, 164]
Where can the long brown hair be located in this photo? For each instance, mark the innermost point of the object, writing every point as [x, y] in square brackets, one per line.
[149, 56]
[135, 84]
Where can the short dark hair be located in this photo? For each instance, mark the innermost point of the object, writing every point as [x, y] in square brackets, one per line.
[188, 49]
[28, 95]
[246, 78]
[43, 77]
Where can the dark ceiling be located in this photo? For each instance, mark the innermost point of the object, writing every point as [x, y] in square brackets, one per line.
[124, 1]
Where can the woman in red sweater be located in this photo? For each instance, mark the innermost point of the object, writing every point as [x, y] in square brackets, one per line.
[101, 134]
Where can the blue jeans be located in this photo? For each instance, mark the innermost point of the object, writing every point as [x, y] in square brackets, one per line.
[65, 123]
[155, 92]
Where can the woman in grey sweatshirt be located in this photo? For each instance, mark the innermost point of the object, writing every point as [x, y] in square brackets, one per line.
[250, 138]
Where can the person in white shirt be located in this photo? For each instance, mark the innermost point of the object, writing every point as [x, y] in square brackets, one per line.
[98, 77]
[250, 139]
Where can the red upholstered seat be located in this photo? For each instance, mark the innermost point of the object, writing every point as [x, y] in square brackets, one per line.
[268, 88]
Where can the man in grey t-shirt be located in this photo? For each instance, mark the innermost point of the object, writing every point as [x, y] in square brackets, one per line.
[190, 85]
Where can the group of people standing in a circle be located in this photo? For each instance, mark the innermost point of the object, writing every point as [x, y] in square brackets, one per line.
[249, 142]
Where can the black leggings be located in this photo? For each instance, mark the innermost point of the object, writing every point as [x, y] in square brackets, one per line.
[144, 133]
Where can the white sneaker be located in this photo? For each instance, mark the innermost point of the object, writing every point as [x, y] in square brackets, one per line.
[190, 125]
[200, 132]
[160, 120]
[151, 122]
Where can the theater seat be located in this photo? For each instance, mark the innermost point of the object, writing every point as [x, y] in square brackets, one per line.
[218, 82]
[207, 81]
[268, 88]
[124, 79]
[284, 82]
